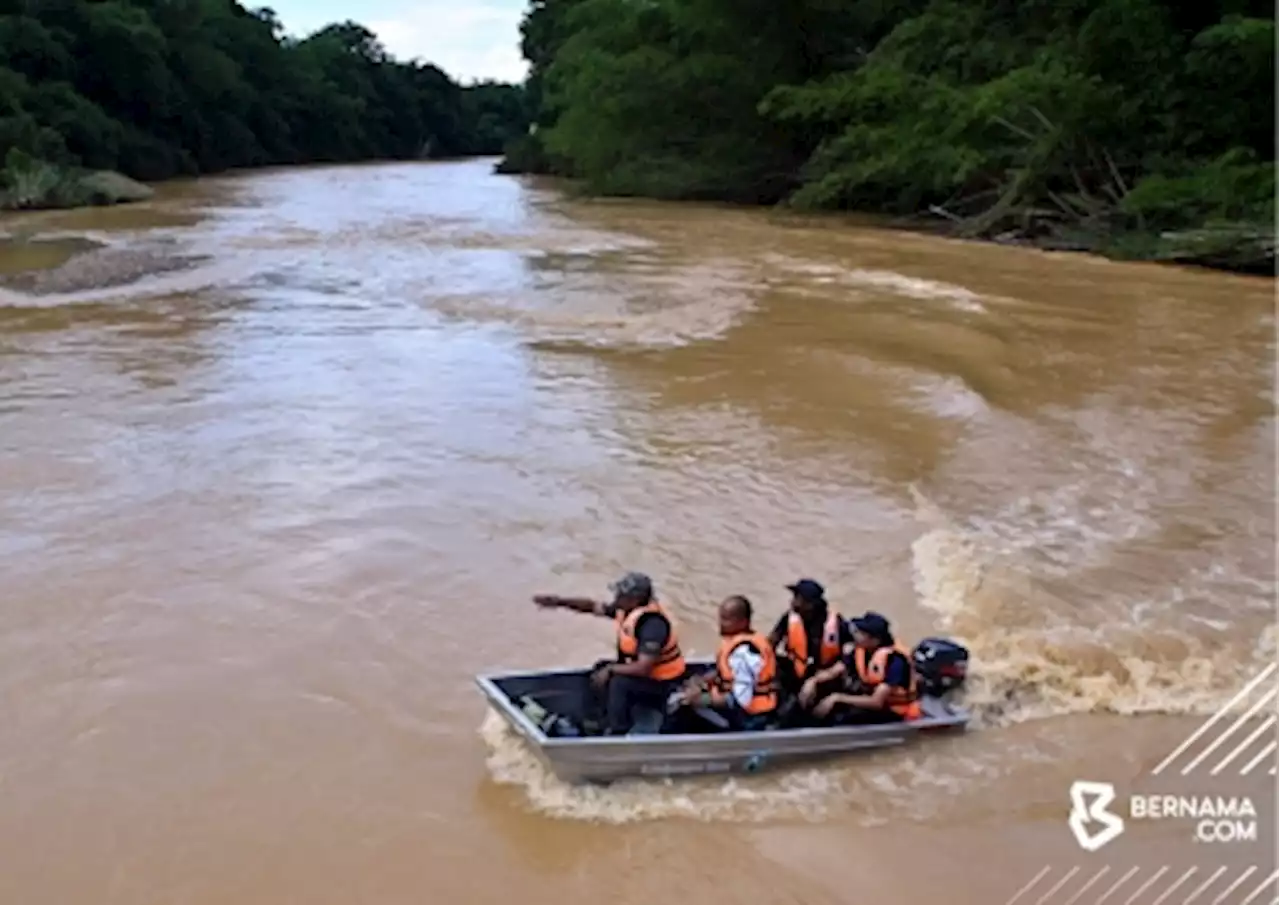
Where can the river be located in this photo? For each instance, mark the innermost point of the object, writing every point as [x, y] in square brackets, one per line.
[265, 518]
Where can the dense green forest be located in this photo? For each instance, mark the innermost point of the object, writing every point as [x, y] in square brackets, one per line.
[161, 88]
[1139, 128]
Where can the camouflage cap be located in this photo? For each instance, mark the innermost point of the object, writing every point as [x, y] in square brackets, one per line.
[632, 584]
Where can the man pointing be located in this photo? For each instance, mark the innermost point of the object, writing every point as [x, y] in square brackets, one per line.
[648, 663]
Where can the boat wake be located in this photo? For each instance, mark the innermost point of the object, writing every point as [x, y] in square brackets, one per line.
[1034, 655]
[932, 774]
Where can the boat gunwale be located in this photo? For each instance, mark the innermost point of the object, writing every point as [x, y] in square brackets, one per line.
[488, 683]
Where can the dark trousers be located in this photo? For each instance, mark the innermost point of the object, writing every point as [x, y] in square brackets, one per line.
[616, 701]
[788, 681]
[692, 719]
[844, 715]
[624, 693]
[790, 713]
[791, 683]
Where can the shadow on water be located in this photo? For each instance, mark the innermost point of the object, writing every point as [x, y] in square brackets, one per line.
[175, 206]
[19, 254]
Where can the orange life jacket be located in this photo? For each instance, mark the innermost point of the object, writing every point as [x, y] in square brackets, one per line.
[670, 663]
[902, 701]
[798, 643]
[764, 698]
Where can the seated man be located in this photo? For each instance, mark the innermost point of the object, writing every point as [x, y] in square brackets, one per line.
[742, 691]
[815, 638]
[884, 673]
[648, 661]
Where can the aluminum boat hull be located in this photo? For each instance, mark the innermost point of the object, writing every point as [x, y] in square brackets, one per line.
[594, 759]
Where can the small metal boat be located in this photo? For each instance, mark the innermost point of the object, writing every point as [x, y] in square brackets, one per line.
[533, 702]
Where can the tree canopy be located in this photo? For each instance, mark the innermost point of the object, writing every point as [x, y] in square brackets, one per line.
[1144, 127]
[160, 88]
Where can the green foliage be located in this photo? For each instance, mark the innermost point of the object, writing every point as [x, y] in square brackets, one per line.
[158, 88]
[1234, 187]
[1110, 124]
[28, 183]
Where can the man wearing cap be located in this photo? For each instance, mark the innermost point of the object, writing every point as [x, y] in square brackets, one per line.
[884, 674]
[815, 639]
[649, 662]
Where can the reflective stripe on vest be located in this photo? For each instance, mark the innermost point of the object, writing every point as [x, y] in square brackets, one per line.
[902, 701]
[798, 643]
[670, 663]
[764, 697]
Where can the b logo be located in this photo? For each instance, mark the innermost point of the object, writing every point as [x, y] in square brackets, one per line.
[1089, 802]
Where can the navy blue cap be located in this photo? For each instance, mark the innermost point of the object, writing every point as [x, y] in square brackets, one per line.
[871, 623]
[808, 589]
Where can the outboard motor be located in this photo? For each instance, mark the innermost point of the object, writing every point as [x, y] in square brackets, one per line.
[941, 665]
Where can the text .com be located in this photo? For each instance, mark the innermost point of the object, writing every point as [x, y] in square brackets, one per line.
[1214, 818]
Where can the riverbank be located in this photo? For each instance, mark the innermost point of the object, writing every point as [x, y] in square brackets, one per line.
[1139, 132]
[28, 184]
[1233, 247]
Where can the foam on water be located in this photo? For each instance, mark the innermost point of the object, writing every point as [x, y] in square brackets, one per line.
[915, 784]
[877, 282]
[1035, 655]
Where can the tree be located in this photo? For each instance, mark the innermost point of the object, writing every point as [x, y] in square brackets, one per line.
[1112, 124]
[157, 88]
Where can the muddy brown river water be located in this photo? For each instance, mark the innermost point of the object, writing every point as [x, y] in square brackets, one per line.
[265, 517]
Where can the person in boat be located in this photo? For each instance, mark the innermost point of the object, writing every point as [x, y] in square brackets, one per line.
[648, 665]
[815, 639]
[883, 675]
[742, 690]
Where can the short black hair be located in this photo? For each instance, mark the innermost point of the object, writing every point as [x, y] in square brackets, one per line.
[742, 604]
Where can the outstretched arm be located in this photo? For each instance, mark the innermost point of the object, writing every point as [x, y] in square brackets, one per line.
[577, 604]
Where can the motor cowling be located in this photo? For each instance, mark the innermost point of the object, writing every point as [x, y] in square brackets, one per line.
[941, 665]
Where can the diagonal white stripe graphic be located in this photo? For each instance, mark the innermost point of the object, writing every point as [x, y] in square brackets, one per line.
[1053, 890]
[1239, 749]
[1174, 888]
[1231, 730]
[1083, 889]
[1262, 755]
[1262, 887]
[1248, 872]
[1199, 890]
[1209, 723]
[1271, 772]
[1145, 886]
[1106, 895]
[1030, 885]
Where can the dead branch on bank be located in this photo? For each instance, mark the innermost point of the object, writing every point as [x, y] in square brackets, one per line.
[1061, 191]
